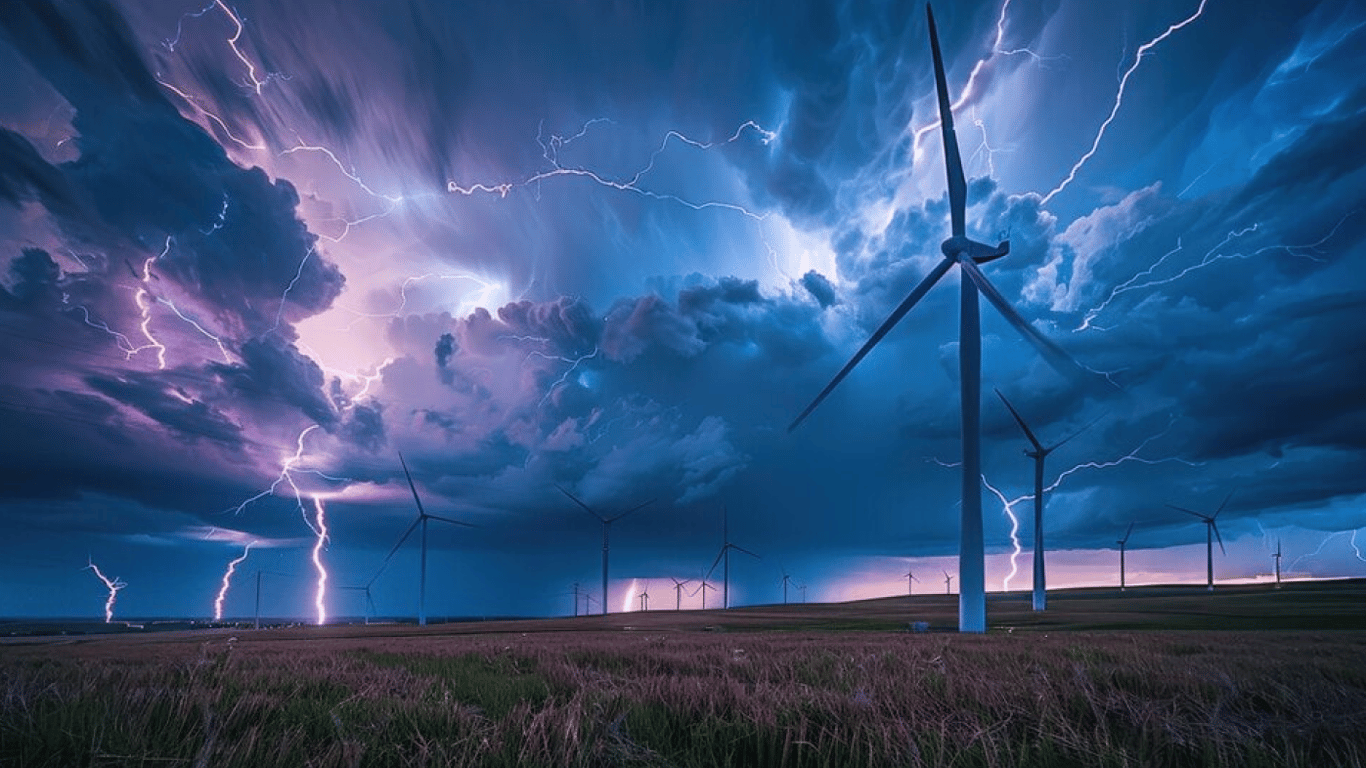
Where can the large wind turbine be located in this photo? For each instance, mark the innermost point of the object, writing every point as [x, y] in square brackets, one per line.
[422, 518]
[1038, 454]
[1211, 533]
[967, 254]
[1122, 544]
[1278, 563]
[703, 587]
[678, 592]
[606, 528]
[724, 554]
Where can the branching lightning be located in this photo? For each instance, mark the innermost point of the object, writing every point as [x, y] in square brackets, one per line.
[1142, 51]
[113, 585]
[573, 366]
[1351, 541]
[1009, 509]
[227, 582]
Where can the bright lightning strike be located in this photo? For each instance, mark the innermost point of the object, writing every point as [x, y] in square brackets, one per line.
[1142, 51]
[1009, 508]
[227, 582]
[321, 530]
[113, 585]
[573, 366]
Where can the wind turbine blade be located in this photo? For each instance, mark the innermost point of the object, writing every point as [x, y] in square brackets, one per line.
[390, 556]
[1020, 420]
[746, 551]
[1054, 354]
[717, 561]
[629, 511]
[1189, 512]
[452, 522]
[1225, 504]
[1127, 533]
[1068, 439]
[586, 508]
[1219, 538]
[887, 325]
[412, 487]
[953, 162]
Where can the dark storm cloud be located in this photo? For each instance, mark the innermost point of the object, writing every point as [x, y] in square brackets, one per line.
[236, 240]
[820, 288]
[275, 370]
[190, 420]
[364, 426]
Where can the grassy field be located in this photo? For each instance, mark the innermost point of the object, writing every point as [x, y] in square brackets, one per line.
[807, 685]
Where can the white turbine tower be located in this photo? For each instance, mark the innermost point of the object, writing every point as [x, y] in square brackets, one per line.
[606, 529]
[724, 554]
[678, 592]
[948, 584]
[1211, 533]
[1122, 544]
[422, 518]
[910, 579]
[1038, 454]
[703, 587]
[967, 254]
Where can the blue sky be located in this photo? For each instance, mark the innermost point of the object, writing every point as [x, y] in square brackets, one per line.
[252, 252]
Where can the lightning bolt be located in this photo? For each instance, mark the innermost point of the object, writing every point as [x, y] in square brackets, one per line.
[286, 468]
[222, 217]
[195, 325]
[113, 585]
[142, 297]
[1144, 279]
[1009, 509]
[573, 366]
[321, 531]
[1142, 51]
[194, 102]
[227, 582]
[256, 83]
[1352, 542]
[180, 24]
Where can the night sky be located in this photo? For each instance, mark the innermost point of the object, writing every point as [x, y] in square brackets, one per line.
[252, 251]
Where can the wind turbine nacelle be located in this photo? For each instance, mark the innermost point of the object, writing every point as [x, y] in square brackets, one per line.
[957, 248]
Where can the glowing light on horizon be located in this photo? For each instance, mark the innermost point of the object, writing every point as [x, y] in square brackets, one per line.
[227, 582]
[1119, 99]
[626, 605]
[113, 585]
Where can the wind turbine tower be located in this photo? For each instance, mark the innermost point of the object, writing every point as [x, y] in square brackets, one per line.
[678, 592]
[1211, 533]
[606, 531]
[1278, 563]
[967, 254]
[948, 583]
[786, 579]
[703, 589]
[724, 554]
[1122, 544]
[1038, 453]
[910, 587]
[645, 597]
[422, 518]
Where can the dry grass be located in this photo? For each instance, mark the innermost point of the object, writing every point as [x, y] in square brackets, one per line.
[691, 699]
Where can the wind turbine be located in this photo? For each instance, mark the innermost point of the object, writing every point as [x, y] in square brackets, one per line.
[703, 589]
[606, 528]
[1038, 454]
[1122, 543]
[422, 518]
[724, 554]
[678, 592]
[786, 579]
[1278, 563]
[369, 602]
[645, 597]
[967, 254]
[910, 577]
[802, 588]
[948, 584]
[1211, 533]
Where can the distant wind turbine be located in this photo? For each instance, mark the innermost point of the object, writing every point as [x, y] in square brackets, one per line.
[1038, 454]
[369, 602]
[910, 587]
[948, 583]
[422, 518]
[703, 587]
[1122, 544]
[678, 592]
[606, 529]
[1211, 533]
[724, 554]
[967, 254]
[1278, 563]
[802, 588]
[645, 597]
[786, 579]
